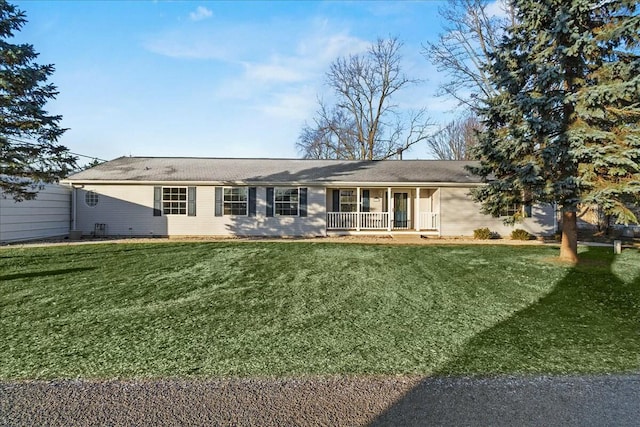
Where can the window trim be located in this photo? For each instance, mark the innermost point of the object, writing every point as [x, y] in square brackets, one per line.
[354, 204]
[514, 209]
[95, 196]
[231, 202]
[275, 202]
[185, 201]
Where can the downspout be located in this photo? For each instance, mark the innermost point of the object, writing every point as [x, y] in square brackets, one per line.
[74, 210]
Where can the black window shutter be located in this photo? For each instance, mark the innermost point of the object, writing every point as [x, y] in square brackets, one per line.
[157, 201]
[252, 201]
[218, 202]
[303, 201]
[191, 201]
[336, 201]
[269, 201]
[366, 204]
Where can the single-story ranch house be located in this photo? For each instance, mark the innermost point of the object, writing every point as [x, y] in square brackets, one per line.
[150, 196]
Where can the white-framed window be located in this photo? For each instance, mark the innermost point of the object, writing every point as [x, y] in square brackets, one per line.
[512, 209]
[235, 201]
[348, 201]
[174, 200]
[286, 201]
[91, 198]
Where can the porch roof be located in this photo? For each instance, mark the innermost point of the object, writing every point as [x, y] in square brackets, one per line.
[276, 171]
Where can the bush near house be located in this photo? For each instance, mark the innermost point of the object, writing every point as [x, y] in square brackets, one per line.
[520, 234]
[484, 234]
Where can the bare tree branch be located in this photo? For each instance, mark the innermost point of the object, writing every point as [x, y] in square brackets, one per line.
[364, 123]
[454, 140]
[464, 48]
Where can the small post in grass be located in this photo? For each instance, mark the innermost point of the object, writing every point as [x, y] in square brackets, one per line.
[617, 246]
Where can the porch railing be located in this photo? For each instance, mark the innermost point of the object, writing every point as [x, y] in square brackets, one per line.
[342, 220]
[349, 220]
[429, 221]
[376, 221]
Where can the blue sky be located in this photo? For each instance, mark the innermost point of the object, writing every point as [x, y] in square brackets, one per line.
[213, 79]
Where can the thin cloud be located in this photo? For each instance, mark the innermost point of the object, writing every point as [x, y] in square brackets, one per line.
[186, 44]
[294, 105]
[272, 72]
[200, 13]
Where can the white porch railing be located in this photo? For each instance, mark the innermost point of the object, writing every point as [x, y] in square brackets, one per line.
[376, 221]
[349, 220]
[342, 220]
[429, 221]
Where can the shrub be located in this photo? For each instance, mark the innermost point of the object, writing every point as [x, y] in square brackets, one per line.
[520, 234]
[484, 234]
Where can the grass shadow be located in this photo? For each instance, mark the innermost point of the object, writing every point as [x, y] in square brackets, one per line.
[588, 324]
[46, 273]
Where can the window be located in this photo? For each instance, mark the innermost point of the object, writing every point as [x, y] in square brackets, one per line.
[174, 200]
[91, 198]
[286, 201]
[235, 201]
[511, 210]
[348, 201]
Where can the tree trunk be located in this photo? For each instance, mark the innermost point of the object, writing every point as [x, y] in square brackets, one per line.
[569, 244]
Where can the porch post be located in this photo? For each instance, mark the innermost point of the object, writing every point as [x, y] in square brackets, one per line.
[439, 218]
[389, 208]
[358, 209]
[418, 216]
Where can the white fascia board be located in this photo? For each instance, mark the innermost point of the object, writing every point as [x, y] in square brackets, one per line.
[402, 184]
[272, 184]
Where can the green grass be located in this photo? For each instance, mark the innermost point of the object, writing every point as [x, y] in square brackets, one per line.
[292, 308]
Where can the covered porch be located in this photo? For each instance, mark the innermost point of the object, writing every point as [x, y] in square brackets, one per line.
[383, 209]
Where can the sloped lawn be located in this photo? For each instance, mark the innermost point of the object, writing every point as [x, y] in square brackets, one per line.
[219, 309]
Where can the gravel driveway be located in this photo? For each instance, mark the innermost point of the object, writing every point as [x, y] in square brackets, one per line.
[333, 401]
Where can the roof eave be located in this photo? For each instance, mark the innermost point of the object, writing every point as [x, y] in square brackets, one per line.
[275, 184]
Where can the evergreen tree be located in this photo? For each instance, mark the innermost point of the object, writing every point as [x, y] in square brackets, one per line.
[23, 93]
[564, 125]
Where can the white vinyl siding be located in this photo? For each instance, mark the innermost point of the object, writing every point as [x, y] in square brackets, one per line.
[460, 215]
[127, 210]
[48, 215]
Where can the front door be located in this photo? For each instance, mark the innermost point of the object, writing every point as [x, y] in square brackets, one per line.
[400, 210]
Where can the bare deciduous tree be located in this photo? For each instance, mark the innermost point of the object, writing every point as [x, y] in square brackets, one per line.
[454, 140]
[364, 123]
[471, 32]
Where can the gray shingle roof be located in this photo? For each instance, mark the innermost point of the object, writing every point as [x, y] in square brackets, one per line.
[275, 171]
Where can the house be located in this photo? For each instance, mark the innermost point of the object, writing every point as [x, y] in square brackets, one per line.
[155, 196]
[46, 216]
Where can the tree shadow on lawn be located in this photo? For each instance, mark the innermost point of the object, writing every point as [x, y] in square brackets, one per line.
[45, 273]
[588, 324]
[107, 246]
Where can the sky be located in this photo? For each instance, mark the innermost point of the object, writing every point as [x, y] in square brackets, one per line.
[215, 78]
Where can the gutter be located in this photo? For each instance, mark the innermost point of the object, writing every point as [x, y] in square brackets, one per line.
[278, 183]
